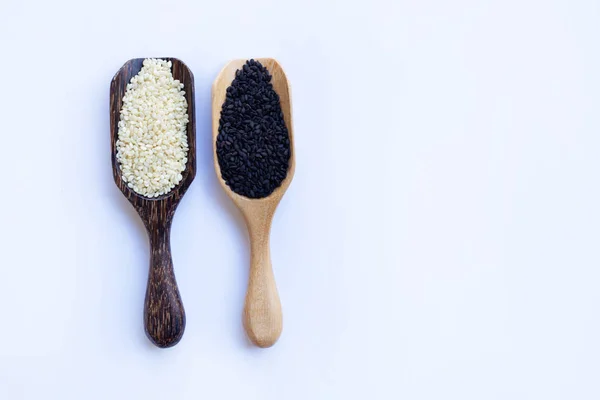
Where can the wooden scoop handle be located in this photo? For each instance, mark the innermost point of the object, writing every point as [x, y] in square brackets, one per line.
[263, 319]
[164, 315]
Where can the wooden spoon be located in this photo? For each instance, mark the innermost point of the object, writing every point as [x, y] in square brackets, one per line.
[164, 316]
[262, 316]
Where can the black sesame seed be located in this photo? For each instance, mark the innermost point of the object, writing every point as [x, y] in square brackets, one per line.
[253, 146]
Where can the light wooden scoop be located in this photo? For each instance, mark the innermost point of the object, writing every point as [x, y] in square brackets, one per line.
[262, 316]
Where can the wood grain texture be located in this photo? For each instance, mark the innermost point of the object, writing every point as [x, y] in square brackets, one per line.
[164, 315]
[263, 319]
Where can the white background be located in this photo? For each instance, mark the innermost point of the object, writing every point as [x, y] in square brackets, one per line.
[440, 239]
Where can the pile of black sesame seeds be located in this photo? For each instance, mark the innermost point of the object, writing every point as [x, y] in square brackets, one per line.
[253, 145]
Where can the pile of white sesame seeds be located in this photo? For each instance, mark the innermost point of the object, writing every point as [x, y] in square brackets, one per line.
[152, 146]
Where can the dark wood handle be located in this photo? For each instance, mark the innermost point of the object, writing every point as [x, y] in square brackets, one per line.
[164, 316]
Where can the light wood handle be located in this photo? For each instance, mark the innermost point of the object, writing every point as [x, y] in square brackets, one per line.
[263, 319]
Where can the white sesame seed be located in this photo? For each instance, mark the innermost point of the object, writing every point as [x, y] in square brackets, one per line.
[152, 137]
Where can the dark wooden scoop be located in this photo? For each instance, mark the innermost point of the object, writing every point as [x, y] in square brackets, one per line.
[164, 316]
